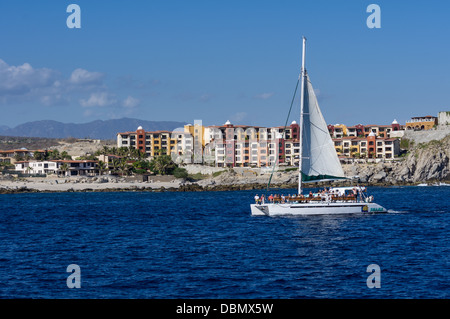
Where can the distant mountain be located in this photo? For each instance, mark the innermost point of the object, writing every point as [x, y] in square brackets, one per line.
[3, 128]
[96, 129]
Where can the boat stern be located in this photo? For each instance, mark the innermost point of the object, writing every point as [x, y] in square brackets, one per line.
[259, 210]
[374, 208]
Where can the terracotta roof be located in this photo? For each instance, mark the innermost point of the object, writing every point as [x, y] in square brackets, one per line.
[73, 161]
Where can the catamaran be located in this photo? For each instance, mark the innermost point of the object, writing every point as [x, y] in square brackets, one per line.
[318, 161]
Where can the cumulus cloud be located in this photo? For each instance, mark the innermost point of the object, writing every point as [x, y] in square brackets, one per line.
[82, 77]
[264, 96]
[47, 87]
[130, 102]
[54, 100]
[23, 79]
[98, 99]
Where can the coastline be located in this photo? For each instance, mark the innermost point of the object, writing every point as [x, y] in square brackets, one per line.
[17, 187]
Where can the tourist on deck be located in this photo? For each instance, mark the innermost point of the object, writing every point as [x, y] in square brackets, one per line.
[271, 198]
[262, 199]
[256, 199]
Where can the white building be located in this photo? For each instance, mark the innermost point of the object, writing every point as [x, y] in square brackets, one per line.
[71, 167]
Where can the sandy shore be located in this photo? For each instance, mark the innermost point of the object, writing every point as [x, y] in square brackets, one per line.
[70, 184]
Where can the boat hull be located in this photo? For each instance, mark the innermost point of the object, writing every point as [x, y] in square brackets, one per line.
[271, 209]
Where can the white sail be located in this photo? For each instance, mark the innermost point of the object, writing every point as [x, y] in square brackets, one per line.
[319, 158]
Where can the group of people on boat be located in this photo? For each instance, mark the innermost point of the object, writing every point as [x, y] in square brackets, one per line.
[330, 194]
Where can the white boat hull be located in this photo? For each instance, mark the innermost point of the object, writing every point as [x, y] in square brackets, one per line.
[336, 208]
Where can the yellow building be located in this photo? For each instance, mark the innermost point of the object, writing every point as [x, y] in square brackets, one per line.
[197, 131]
[421, 123]
[150, 143]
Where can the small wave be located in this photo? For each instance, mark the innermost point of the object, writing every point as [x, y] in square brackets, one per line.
[392, 211]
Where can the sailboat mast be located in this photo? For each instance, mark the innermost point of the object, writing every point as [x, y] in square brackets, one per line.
[302, 100]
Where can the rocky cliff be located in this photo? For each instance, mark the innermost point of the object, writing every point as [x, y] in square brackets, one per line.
[424, 162]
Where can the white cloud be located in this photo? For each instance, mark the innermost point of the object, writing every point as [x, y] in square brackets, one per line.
[82, 77]
[131, 102]
[264, 96]
[23, 79]
[47, 87]
[54, 100]
[98, 99]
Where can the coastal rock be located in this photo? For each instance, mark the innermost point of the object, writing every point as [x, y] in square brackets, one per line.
[378, 177]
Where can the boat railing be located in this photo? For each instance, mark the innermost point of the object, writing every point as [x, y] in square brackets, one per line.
[312, 199]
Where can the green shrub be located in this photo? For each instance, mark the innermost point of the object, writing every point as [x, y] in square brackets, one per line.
[180, 172]
[215, 174]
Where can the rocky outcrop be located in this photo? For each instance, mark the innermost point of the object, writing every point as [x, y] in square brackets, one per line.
[425, 162]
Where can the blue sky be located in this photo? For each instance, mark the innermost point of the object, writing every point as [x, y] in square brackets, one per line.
[222, 60]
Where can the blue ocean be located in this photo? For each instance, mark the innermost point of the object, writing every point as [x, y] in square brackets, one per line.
[207, 245]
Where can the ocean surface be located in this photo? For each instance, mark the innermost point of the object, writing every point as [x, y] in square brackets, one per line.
[207, 245]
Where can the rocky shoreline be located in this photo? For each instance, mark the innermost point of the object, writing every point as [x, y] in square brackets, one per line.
[204, 185]
[424, 163]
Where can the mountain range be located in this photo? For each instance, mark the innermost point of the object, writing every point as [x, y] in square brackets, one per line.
[99, 129]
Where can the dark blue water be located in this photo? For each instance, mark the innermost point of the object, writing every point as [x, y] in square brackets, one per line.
[207, 245]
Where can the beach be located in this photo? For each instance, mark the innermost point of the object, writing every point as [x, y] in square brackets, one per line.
[81, 184]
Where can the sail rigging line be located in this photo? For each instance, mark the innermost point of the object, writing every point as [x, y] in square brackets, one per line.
[284, 131]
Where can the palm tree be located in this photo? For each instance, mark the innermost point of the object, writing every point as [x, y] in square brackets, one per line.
[105, 150]
[162, 164]
[123, 165]
[64, 168]
[64, 155]
[115, 164]
[101, 167]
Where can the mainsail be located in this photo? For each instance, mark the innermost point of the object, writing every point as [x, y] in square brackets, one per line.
[319, 158]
